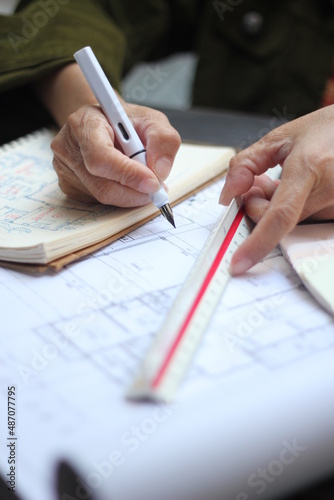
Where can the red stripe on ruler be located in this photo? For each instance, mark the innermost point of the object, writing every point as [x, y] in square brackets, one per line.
[207, 280]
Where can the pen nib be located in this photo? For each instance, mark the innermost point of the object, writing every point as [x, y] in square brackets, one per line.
[167, 213]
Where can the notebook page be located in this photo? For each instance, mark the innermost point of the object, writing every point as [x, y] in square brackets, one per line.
[39, 223]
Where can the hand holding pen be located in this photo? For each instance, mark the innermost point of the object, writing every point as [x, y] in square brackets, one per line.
[124, 131]
[88, 159]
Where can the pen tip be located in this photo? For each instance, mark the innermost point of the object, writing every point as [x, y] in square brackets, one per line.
[167, 213]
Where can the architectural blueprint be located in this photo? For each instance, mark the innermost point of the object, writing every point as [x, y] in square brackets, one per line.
[259, 389]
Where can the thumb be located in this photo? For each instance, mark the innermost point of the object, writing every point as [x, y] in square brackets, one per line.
[269, 151]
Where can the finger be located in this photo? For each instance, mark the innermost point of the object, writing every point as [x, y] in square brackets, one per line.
[267, 184]
[320, 202]
[103, 160]
[70, 184]
[281, 215]
[324, 214]
[268, 152]
[91, 188]
[94, 150]
[161, 140]
[256, 204]
[257, 199]
[109, 163]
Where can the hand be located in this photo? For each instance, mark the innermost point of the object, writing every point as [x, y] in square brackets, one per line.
[305, 150]
[90, 167]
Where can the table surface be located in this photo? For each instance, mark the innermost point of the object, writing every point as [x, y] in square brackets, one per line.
[224, 128]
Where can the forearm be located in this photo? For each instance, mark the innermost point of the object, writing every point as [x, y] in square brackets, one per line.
[63, 92]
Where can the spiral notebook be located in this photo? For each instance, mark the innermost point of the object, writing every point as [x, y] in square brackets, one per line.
[40, 227]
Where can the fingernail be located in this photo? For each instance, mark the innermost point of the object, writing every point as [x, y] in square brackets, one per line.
[163, 167]
[149, 185]
[240, 266]
[224, 199]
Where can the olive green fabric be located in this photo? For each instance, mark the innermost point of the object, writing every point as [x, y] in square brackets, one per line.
[41, 37]
[283, 66]
[278, 63]
[44, 34]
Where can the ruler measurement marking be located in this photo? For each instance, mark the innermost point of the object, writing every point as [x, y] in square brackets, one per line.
[208, 278]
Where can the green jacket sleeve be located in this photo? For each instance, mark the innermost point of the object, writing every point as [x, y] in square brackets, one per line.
[43, 35]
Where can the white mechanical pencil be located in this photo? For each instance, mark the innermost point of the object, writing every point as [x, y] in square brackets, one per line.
[118, 119]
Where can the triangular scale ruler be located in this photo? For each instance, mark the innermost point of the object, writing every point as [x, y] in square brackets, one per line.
[173, 348]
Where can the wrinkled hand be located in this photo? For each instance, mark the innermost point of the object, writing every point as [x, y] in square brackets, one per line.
[305, 150]
[90, 167]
